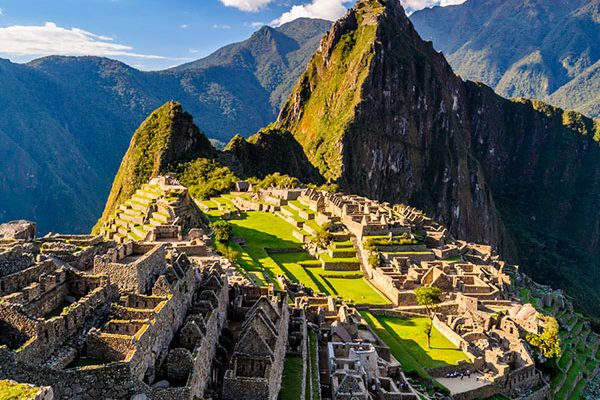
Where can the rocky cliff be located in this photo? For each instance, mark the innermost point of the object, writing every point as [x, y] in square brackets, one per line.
[382, 113]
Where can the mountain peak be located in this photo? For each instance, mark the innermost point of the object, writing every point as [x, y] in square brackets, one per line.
[166, 137]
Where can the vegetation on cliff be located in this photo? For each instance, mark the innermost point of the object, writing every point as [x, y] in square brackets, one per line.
[323, 101]
[166, 137]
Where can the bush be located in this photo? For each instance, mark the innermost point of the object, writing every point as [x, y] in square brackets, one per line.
[323, 237]
[375, 260]
[546, 343]
[277, 180]
[206, 178]
[222, 231]
[229, 253]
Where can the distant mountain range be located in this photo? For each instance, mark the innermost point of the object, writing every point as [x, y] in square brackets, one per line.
[544, 49]
[66, 121]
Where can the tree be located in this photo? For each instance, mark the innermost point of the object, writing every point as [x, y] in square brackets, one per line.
[547, 342]
[222, 231]
[323, 237]
[229, 253]
[430, 297]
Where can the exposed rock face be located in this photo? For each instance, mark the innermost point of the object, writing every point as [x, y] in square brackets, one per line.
[381, 112]
[166, 137]
[395, 127]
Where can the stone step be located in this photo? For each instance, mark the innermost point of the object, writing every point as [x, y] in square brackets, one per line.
[150, 193]
[141, 199]
[122, 222]
[135, 219]
[138, 206]
[139, 232]
[160, 217]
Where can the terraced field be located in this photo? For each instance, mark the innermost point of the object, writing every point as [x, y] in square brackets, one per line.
[580, 359]
[262, 231]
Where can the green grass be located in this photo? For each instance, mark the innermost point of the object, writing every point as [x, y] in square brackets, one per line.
[265, 230]
[407, 336]
[16, 391]
[313, 369]
[291, 382]
[334, 283]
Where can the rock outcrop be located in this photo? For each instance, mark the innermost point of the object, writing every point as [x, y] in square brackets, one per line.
[269, 151]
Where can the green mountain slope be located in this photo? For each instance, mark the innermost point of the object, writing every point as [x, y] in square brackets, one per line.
[67, 121]
[167, 137]
[381, 112]
[532, 48]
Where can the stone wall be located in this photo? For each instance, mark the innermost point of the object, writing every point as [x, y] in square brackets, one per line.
[137, 276]
[14, 260]
[14, 282]
[52, 333]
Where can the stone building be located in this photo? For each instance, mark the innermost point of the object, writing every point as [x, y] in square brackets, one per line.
[257, 361]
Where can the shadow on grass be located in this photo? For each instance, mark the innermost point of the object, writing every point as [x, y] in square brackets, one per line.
[412, 347]
[333, 290]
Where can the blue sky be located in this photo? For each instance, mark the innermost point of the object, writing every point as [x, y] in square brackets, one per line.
[148, 34]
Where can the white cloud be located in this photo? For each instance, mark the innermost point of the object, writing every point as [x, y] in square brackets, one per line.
[324, 9]
[221, 26]
[414, 5]
[194, 51]
[247, 5]
[50, 39]
[1, 11]
[184, 26]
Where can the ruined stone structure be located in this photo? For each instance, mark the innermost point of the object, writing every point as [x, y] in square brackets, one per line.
[257, 361]
[147, 310]
[160, 210]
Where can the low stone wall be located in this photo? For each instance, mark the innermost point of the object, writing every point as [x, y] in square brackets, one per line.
[480, 393]
[340, 266]
[18, 280]
[52, 333]
[14, 260]
[300, 236]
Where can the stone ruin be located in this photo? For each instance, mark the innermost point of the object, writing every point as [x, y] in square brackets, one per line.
[147, 310]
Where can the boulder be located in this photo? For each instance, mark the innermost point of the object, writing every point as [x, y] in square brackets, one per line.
[18, 230]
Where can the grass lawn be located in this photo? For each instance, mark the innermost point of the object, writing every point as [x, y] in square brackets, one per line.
[264, 230]
[335, 283]
[16, 391]
[313, 389]
[291, 381]
[407, 336]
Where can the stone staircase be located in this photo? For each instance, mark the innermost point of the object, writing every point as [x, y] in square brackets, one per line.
[149, 207]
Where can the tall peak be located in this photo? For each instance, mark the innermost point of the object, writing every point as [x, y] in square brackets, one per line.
[166, 137]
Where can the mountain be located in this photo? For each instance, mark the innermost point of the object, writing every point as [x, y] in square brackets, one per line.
[382, 113]
[545, 49]
[166, 137]
[66, 121]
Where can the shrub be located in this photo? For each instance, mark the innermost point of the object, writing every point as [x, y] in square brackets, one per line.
[278, 180]
[323, 237]
[546, 343]
[229, 253]
[206, 178]
[375, 260]
[222, 231]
